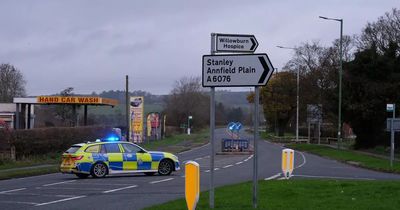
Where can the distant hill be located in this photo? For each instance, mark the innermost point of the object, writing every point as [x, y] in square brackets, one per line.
[155, 103]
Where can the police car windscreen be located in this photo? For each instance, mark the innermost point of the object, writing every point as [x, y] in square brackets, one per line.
[73, 149]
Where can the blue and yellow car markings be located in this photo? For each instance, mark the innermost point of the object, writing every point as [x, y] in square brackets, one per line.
[136, 162]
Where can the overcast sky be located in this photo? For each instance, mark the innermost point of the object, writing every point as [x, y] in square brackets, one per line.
[92, 45]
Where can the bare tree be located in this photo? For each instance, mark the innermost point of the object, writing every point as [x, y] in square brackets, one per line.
[319, 71]
[187, 98]
[12, 83]
[382, 33]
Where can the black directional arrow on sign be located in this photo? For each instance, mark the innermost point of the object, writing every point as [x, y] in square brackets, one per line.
[266, 70]
[255, 44]
[236, 70]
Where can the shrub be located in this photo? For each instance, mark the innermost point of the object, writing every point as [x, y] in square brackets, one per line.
[52, 140]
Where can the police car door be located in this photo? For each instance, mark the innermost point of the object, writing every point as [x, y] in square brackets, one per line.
[114, 155]
[130, 158]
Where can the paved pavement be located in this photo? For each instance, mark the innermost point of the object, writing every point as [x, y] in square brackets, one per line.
[61, 191]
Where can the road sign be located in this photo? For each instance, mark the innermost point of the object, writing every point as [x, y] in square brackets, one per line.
[236, 70]
[389, 107]
[396, 124]
[287, 162]
[236, 43]
[192, 184]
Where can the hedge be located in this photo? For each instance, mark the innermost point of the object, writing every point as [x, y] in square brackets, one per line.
[42, 141]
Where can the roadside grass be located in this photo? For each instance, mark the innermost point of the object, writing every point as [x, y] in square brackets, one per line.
[179, 143]
[349, 156]
[381, 150]
[300, 194]
[24, 172]
[30, 166]
[287, 137]
[53, 158]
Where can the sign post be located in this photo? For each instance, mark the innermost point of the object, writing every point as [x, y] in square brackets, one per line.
[235, 70]
[189, 124]
[391, 108]
[212, 128]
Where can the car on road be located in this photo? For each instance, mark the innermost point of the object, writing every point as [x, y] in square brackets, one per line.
[101, 158]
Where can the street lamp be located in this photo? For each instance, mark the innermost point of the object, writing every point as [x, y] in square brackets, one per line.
[340, 78]
[297, 96]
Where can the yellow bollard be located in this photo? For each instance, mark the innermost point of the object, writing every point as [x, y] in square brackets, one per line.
[192, 184]
[287, 162]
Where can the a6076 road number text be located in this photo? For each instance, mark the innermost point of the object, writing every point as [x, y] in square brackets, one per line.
[218, 78]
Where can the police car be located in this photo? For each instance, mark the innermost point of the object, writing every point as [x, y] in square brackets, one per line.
[101, 158]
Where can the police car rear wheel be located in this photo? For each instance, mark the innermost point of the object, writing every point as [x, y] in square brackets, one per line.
[99, 170]
[82, 176]
[165, 168]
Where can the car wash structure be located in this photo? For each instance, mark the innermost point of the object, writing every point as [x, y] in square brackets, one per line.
[25, 106]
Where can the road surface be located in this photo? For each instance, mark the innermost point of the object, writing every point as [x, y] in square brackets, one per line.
[63, 191]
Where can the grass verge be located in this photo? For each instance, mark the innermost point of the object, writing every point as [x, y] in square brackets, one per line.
[349, 156]
[301, 194]
[53, 158]
[24, 172]
[179, 143]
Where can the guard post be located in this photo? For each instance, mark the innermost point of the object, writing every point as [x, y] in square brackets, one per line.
[287, 162]
[192, 184]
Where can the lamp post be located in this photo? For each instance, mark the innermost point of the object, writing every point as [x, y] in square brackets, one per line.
[340, 79]
[297, 95]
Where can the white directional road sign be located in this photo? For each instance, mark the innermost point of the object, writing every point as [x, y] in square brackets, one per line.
[236, 70]
[236, 43]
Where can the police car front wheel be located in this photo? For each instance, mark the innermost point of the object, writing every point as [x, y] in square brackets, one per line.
[99, 170]
[165, 167]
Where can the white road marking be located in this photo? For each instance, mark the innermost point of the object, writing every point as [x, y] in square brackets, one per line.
[14, 190]
[162, 180]
[304, 160]
[227, 166]
[238, 163]
[207, 171]
[282, 178]
[30, 177]
[19, 202]
[216, 169]
[82, 183]
[38, 194]
[46, 185]
[333, 177]
[183, 176]
[67, 188]
[118, 189]
[198, 158]
[273, 176]
[61, 200]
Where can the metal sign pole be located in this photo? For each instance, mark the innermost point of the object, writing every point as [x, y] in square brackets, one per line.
[392, 136]
[127, 116]
[212, 128]
[255, 177]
